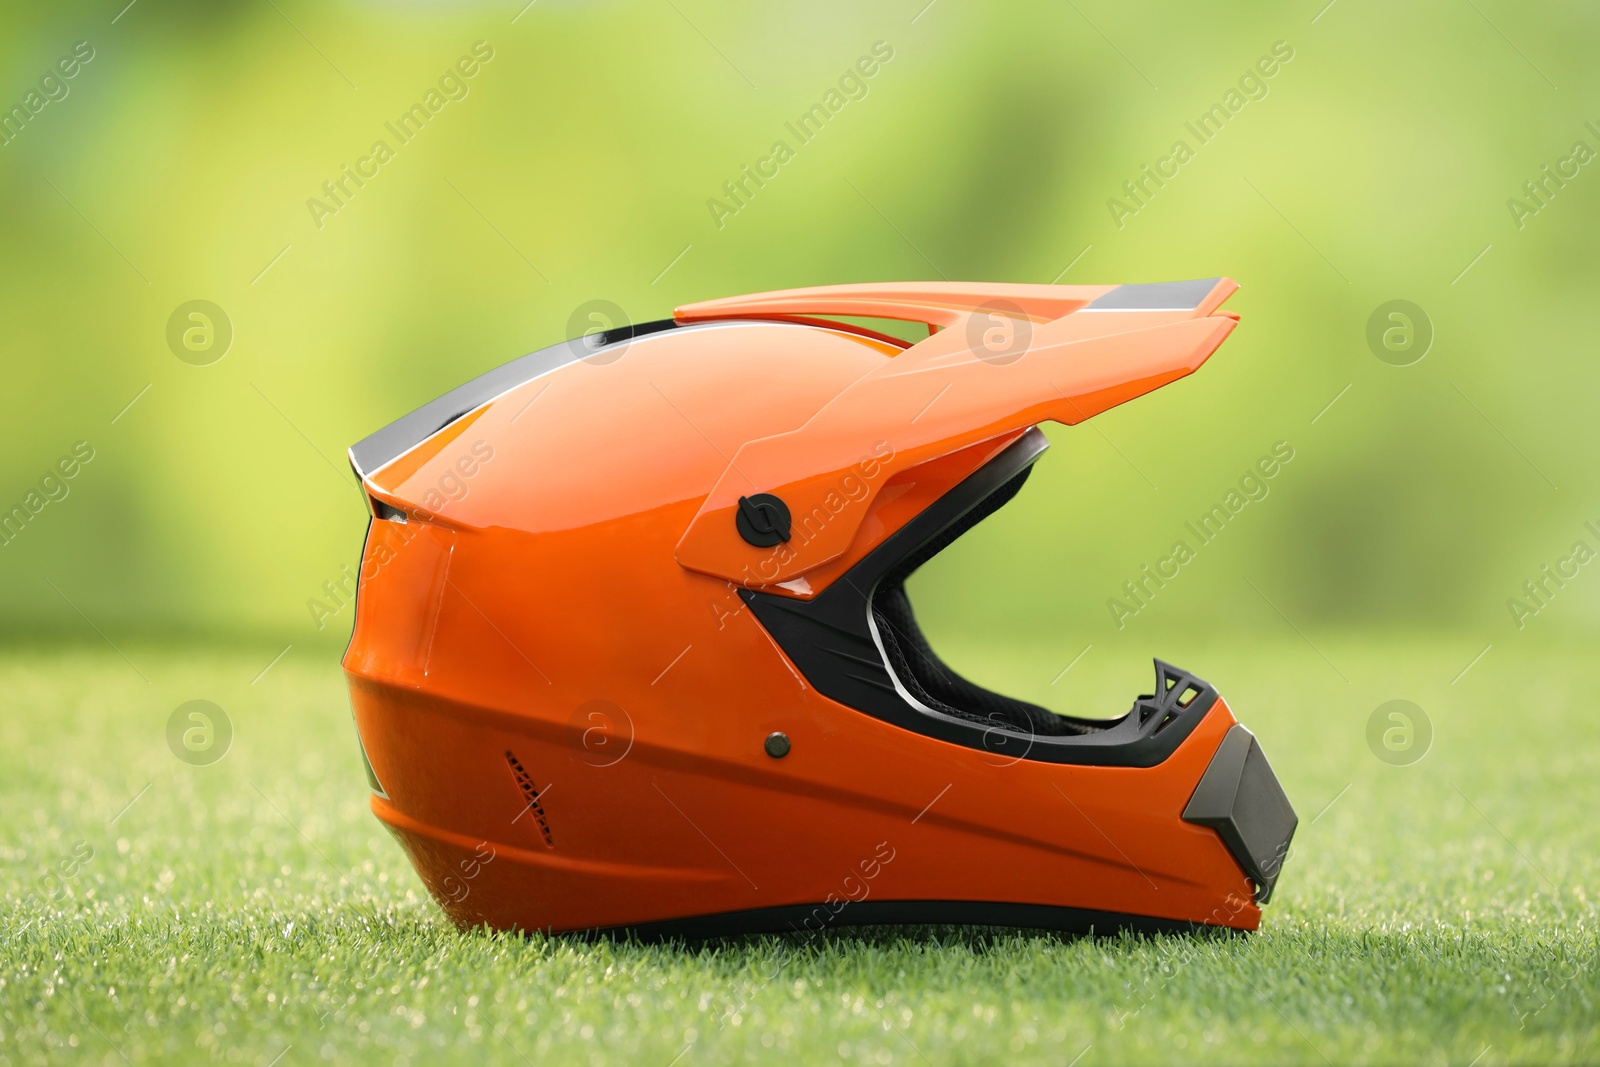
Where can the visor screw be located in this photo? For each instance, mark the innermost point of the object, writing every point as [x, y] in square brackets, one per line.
[762, 520]
[777, 744]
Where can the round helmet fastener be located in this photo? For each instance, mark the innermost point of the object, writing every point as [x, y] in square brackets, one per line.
[763, 520]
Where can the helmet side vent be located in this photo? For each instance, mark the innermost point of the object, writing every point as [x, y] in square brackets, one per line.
[530, 796]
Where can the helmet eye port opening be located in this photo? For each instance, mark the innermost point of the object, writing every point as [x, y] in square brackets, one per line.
[858, 643]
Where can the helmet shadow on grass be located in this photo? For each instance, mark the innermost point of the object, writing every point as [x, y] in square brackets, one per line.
[974, 939]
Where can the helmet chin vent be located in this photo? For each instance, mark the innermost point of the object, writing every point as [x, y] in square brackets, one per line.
[1176, 690]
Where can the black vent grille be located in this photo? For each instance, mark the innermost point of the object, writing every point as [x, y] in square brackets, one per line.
[530, 794]
[1175, 691]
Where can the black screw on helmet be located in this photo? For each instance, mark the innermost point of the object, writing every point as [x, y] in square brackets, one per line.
[763, 520]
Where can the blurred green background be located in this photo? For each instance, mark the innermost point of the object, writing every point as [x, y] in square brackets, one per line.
[578, 166]
[575, 164]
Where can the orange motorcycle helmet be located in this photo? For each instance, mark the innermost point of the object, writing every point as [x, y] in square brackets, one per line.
[633, 651]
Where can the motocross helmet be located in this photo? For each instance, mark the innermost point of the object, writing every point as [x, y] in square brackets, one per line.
[633, 652]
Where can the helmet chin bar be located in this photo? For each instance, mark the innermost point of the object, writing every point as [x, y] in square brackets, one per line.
[857, 642]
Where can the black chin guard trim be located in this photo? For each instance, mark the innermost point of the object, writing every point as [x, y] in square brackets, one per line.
[1239, 797]
[857, 642]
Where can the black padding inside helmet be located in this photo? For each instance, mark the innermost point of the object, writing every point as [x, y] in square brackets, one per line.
[928, 678]
[858, 644]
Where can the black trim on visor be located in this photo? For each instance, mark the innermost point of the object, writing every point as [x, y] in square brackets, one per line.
[857, 642]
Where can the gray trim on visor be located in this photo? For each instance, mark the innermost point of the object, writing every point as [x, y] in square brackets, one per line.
[1155, 296]
[408, 431]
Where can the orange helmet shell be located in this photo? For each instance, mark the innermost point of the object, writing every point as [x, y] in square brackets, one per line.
[630, 650]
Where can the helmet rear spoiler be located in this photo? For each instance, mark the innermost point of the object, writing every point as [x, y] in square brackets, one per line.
[1003, 358]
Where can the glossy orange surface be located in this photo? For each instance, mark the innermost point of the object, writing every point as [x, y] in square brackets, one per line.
[943, 393]
[564, 699]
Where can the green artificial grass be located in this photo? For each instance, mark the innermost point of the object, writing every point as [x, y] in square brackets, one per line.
[254, 912]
